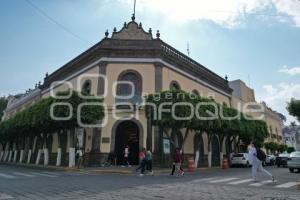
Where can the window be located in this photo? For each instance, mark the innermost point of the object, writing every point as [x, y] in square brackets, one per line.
[271, 129]
[195, 92]
[126, 89]
[86, 87]
[174, 86]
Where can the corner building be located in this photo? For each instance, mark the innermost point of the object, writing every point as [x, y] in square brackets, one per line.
[151, 65]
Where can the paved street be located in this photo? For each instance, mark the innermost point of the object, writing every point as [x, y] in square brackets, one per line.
[26, 183]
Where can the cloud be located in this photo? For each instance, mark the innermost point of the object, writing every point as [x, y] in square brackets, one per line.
[290, 8]
[291, 71]
[228, 13]
[277, 97]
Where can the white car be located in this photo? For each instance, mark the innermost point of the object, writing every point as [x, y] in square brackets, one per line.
[294, 161]
[270, 160]
[239, 159]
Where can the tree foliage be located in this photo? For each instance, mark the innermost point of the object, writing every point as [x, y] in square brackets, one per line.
[293, 108]
[212, 118]
[37, 119]
[3, 104]
[275, 147]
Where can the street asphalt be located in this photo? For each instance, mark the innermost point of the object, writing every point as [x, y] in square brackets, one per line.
[30, 183]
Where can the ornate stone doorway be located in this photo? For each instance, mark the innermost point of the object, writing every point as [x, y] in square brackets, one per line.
[127, 133]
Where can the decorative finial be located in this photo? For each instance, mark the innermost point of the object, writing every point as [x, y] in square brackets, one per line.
[125, 24]
[115, 29]
[140, 24]
[226, 78]
[36, 86]
[39, 83]
[150, 30]
[46, 74]
[157, 34]
[133, 17]
[106, 33]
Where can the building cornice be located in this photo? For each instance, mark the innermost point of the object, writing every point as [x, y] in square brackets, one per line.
[140, 49]
[137, 60]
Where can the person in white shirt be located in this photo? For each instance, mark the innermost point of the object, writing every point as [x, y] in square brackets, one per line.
[126, 156]
[256, 163]
[80, 158]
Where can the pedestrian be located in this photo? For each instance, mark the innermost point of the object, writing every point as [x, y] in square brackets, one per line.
[80, 155]
[255, 157]
[141, 158]
[126, 156]
[147, 163]
[174, 164]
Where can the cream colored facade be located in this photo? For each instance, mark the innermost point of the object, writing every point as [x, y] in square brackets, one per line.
[157, 65]
[242, 95]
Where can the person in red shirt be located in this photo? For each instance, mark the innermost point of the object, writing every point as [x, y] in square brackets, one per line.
[177, 163]
[141, 158]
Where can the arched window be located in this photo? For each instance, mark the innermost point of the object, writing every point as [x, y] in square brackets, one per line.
[126, 89]
[174, 85]
[87, 87]
[195, 92]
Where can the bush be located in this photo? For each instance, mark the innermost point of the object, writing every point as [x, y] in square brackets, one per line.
[290, 149]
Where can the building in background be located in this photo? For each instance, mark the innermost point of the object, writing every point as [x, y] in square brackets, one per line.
[17, 103]
[243, 98]
[291, 136]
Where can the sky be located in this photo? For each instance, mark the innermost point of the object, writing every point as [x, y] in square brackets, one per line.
[257, 41]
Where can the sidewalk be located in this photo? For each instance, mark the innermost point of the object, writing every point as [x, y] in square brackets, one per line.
[103, 170]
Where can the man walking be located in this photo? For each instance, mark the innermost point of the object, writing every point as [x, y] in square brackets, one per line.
[255, 158]
[80, 155]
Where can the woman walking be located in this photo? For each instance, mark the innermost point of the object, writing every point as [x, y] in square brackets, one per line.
[177, 164]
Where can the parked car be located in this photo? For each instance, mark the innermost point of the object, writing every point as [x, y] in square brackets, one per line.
[270, 160]
[239, 159]
[281, 160]
[294, 161]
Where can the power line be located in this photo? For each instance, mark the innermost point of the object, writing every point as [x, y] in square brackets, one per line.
[56, 22]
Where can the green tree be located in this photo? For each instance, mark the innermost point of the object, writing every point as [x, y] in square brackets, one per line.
[37, 120]
[293, 108]
[3, 104]
[282, 148]
[290, 149]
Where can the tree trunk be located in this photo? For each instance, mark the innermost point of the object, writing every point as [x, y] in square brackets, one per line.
[38, 158]
[6, 152]
[10, 155]
[72, 149]
[46, 156]
[30, 147]
[197, 158]
[15, 153]
[58, 157]
[21, 156]
[45, 150]
[29, 156]
[209, 158]
[1, 155]
[22, 150]
[221, 150]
